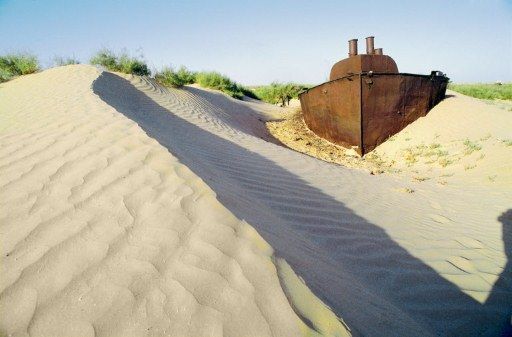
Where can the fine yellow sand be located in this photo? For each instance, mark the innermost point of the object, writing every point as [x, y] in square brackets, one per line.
[461, 141]
[103, 232]
[126, 208]
[392, 254]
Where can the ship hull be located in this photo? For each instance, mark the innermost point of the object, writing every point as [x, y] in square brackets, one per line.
[361, 111]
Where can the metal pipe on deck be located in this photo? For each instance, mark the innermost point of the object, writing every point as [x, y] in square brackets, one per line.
[369, 45]
[352, 47]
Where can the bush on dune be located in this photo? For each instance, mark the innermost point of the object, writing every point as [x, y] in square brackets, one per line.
[4, 75]
[132, 65]
[105, 58]
[170, 77]
[17, 64]
[206, 79]
[278, 93]
[121, 63]
[215, 80]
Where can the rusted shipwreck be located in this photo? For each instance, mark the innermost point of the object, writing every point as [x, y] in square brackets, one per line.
[367, 100]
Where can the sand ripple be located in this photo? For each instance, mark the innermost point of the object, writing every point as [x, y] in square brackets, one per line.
[105, 233]
[434, 261]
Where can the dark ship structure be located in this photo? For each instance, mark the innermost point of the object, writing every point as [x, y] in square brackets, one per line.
[367, 100]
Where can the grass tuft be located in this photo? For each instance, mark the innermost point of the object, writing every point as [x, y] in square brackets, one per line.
[170, 77]
[430, 154]
[107, 59]
[279, 93]
[471, 147]
[121, 63]
[207, 79]
[215, 80]
[445, 162]
[13, 65]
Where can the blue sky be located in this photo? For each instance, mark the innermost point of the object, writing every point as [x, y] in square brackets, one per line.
[256, 42]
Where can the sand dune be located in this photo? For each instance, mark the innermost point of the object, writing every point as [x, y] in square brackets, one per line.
[105, 233]
[430, 262]
[433, 262]
[462, 141]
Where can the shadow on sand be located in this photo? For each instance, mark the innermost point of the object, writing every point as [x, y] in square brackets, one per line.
[292, 216]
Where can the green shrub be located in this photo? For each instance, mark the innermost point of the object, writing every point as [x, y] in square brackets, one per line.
[207, 79]
[4, 75]
[61, 61]
[105, 58]
[122, 63]
[484, 91]
[132, 65]
[215, 80]
[279, 93]
[169, 77]
[17, 64]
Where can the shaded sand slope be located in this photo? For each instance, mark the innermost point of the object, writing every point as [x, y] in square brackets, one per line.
[433, 262]
[104, 233]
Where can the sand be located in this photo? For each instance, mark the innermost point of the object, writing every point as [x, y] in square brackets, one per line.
[461, 141]
[391, 255]
[105, 233]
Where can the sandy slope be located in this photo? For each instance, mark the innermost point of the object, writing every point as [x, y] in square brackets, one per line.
[461, 141]
[432, 262]
[104, 233]
[429, 263]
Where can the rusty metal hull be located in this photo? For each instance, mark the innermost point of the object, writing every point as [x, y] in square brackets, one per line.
[363, 110]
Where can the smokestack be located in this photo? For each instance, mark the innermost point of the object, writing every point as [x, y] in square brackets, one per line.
[352, 47]
[378, 51]
[369, 45]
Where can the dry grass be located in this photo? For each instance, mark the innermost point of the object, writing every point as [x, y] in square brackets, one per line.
[471, 147]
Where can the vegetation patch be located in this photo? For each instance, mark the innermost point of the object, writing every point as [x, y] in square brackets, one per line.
[445, 162]
[13, 65]
[215, 80]
[122, 63]
[471, 147]
[484, 91]
[280, 93]
[175, 78]
[430, 153]
[507, 142]
[434, 150]
[410, 156]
